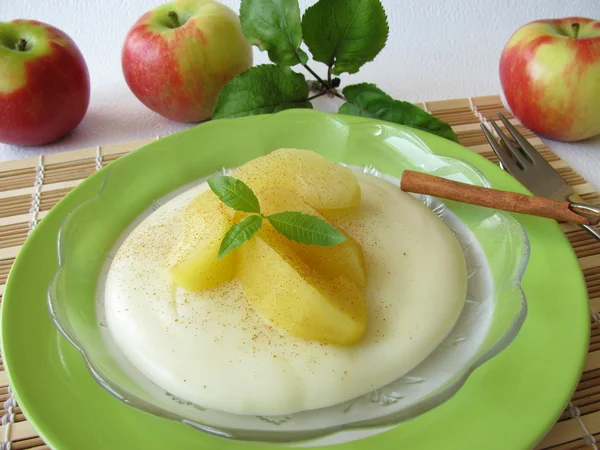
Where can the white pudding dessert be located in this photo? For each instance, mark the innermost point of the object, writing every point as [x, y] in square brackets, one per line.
[213, 348]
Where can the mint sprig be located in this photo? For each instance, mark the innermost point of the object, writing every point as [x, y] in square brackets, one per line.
[303, 228]
[239, 233]
[306, 228]
[342, 34]
[234, 193]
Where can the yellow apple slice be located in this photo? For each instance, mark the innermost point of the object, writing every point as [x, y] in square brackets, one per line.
[193, 261]
[342, 259]
[319, 182]
[294, 297]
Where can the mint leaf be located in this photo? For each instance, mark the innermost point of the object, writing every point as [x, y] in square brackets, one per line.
[262, 89]
[345, 34]
[306, 228]
[239, 233]
[368, 100]
[234, 193]
[274, 26]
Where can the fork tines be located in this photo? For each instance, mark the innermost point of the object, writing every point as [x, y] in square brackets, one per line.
[515, 152]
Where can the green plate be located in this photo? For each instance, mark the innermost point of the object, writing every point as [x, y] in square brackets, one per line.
[508, 403]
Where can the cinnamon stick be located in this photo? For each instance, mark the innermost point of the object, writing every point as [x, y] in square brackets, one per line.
[422, 183]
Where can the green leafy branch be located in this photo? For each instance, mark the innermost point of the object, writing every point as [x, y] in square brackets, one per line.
[296, 226]
[342, 34]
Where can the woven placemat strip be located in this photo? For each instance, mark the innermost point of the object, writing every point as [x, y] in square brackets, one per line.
[30, 187]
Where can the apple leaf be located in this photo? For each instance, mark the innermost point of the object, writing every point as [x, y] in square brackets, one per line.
[368, 100]
[239, 233]
[262, 89]
[306, 228]
[345, 34]
[274, 26]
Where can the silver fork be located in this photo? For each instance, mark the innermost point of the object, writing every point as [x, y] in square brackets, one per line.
[519, 158]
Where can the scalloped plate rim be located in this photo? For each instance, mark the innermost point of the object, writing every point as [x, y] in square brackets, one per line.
[480, 162]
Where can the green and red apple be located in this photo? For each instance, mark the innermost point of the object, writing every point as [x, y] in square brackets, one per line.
[550, 75]
[44, 83]
[178, 56]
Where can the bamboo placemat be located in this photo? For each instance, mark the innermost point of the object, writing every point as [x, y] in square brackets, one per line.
[30, 187]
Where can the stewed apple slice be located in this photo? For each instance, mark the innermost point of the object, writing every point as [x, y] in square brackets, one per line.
[342, 259]
[193, 261]
[296, 298]
[319, 182]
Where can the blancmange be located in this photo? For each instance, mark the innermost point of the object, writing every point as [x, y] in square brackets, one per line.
[213, 349]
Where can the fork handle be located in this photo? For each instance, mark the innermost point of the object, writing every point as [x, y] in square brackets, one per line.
[422, 183]
[578, 205]
[593, 231]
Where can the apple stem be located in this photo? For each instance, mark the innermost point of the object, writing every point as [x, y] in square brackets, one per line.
[174, 19]
[21, 45]
[575, 28]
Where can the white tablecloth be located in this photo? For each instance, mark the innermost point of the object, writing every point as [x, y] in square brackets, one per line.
[437, 49]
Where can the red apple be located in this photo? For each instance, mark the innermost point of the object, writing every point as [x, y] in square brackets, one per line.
[178, 56]
[550, 74]
[44, 83]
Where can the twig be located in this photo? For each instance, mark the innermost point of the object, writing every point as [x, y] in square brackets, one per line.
[319, 79]
[321, 94]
